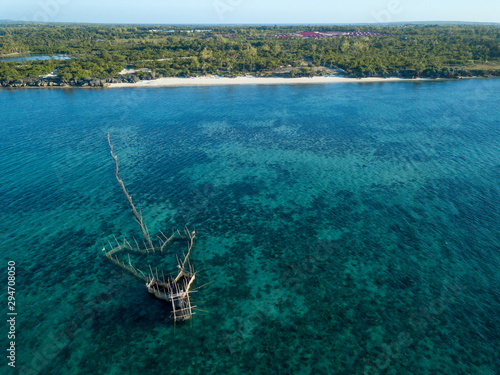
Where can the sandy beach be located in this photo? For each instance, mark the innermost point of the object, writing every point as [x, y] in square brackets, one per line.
[251, 80]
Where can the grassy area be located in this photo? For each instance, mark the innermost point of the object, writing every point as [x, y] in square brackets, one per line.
[481, 66]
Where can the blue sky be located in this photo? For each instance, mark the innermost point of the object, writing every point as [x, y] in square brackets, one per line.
[250, 11]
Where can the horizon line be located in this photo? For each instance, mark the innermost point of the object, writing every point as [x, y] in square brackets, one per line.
[260, 24]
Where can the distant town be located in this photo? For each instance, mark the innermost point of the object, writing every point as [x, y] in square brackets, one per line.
[321, 34]
[300, 34]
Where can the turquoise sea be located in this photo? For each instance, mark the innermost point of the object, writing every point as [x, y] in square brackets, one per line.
[342, 228]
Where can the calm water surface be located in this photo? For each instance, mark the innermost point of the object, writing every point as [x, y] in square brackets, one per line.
[343, 228]
[36, 57]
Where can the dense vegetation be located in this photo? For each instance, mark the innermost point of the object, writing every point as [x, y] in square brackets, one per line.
[102, 51]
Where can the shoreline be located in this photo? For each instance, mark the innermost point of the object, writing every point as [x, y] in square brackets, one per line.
[252, 80]
[50, 82]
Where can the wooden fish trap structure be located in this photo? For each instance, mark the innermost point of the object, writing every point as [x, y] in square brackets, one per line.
[175, 290]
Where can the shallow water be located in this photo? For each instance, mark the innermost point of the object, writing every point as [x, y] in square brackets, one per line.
[343, 228]
[36, 57]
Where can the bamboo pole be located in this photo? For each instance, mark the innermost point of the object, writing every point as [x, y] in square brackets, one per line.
[186, 258]
[166, 241]
[138, 216]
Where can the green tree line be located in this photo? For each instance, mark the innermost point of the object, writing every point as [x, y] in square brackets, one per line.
[102, 51]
